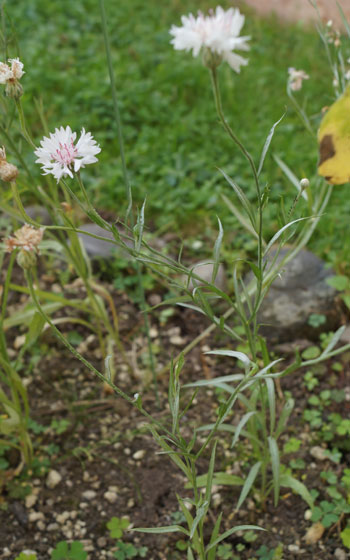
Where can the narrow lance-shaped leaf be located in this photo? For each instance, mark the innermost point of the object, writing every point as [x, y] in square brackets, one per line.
[164, 529]
[275, 463]
[282, 230]
[210, 473]
[272, 402]
[201, 512]
[293, 179]
[241, 425]
[214, 536]
[298, 487]
[231, 532]
[248, 483]
[243, 199]
[239, 216]
[267, 144]
[283, 419]
[216, 252]
[138, 229]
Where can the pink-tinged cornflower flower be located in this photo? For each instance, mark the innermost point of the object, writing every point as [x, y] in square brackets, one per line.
[61, 156]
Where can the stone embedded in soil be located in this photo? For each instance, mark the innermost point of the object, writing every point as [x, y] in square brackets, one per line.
[340, 554]
[89, 494]
[314, 533]
[205, 272]
[298, 292]
[97, 248]
[110, 496]
[53, 479]
[318, 453]
[139, 454]
[38, 214]
[31, 500]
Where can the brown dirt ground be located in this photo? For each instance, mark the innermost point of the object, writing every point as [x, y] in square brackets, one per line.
[98, 450]
[301, 10]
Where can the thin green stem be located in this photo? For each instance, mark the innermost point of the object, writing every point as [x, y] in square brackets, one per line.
[232, 135]
[128, 191]
[116, 107]
[23, 123]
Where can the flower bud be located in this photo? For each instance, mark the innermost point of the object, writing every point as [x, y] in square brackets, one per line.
[304, 183]
[211, 59]
[26, 259]
[14, 89]
[8, 172]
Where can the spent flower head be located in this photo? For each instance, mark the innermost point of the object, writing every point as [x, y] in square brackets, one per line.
[216, 36]
[60, 155]
[10, 74]
[26, 238]
[296, 77]
[8, 171]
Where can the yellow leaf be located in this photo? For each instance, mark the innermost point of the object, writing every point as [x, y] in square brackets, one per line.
[334, 141]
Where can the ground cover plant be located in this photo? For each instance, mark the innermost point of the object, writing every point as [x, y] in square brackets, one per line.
[252, 393]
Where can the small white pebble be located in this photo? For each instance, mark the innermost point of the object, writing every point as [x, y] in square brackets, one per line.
[139, 454]
[62, 517]
[35, 516]
[89, 494]
[53, 527]
[111, 497]
[53, 479]
[31, 500]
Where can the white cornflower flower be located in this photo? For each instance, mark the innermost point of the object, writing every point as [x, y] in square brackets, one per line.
[10, 75]
[216, 35]
[296, 78]
[59, 155]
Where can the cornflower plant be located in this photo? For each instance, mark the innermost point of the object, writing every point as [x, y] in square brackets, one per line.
[216, 38]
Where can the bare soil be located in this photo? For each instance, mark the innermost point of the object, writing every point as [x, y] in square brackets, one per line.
[302, 10]
[103, 447]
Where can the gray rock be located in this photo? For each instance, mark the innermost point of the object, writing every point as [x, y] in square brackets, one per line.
[39, 214]
[205, 271]
[300, 291]
[97, 248]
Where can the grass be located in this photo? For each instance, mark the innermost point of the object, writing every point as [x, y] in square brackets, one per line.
[172, 139]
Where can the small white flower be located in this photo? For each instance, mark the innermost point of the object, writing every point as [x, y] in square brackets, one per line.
[296, 78]
[347, 75]
[59, 155]
[10, 75]
[218, 32]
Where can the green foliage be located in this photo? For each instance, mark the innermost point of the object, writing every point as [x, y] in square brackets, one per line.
[265, 553]
[310, 381]
[292, 445]
[128, 550]
[311, 353]
[25, 556]
[345, 537]
[225, 551]
[316, 320]
[173, 154]
[65, 551]
[329, 513]
[117, 526]
[74, 338]
[59, 426]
